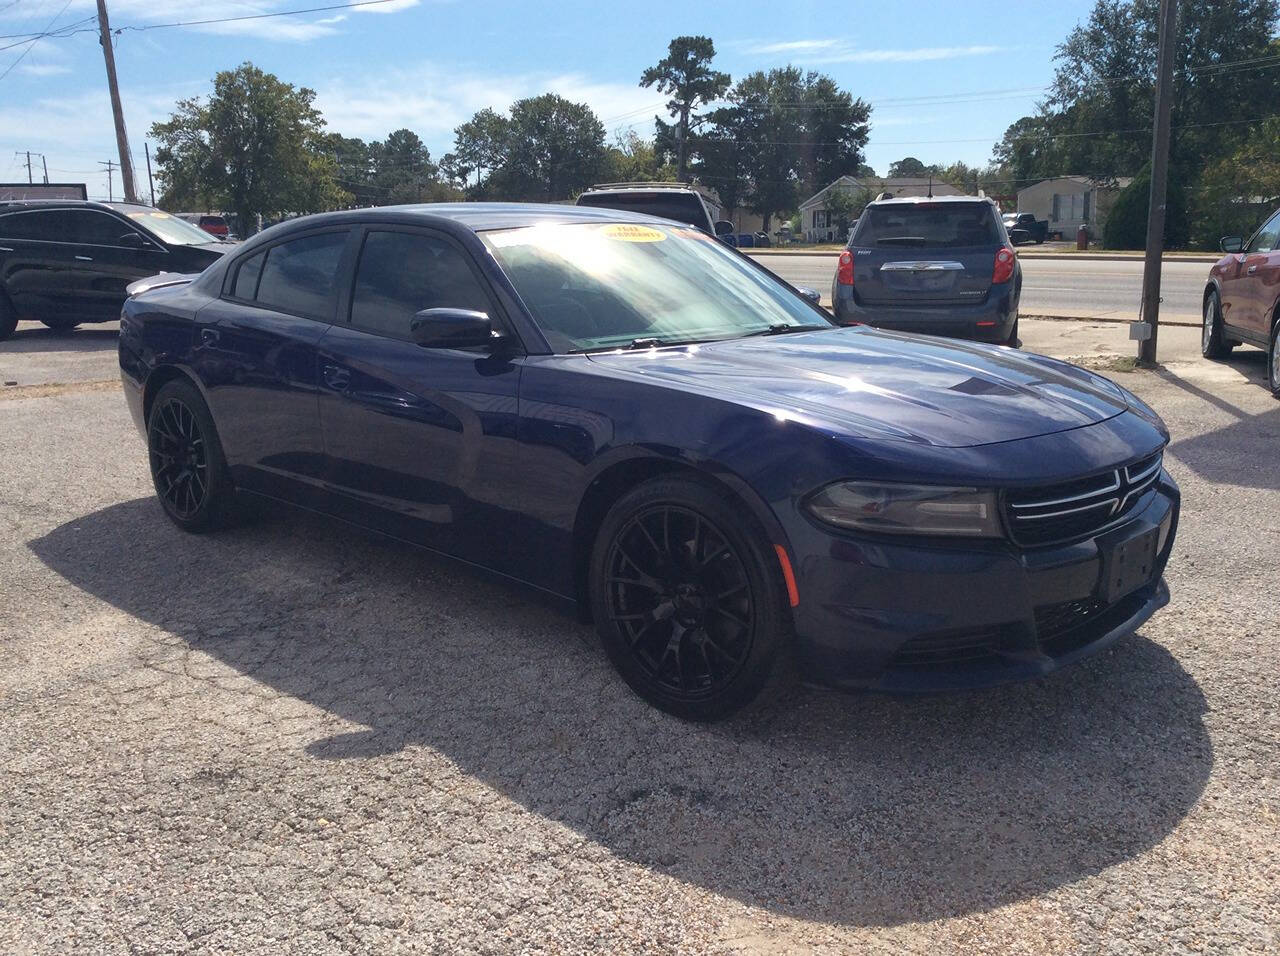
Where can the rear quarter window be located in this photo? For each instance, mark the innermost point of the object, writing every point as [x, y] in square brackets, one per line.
[300, 276]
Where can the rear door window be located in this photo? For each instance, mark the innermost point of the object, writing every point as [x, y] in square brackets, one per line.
[402, 273]
[935, 226]
[300, 276]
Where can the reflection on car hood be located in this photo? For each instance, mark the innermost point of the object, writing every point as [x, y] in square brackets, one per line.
[858, 382]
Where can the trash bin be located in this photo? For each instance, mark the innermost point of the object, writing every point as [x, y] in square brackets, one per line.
[1082, 236]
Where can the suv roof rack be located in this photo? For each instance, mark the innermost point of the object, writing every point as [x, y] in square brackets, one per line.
[641, 185]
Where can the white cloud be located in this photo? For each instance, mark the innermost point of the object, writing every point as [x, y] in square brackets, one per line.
[432, 102]
[826, 51]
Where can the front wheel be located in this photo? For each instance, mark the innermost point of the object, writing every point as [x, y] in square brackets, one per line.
[688, 598]
[187, 465]
[1273, 361]
[1212, 344]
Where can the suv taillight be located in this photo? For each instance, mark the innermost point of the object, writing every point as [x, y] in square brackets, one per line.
[1003, 270]
[844, 271]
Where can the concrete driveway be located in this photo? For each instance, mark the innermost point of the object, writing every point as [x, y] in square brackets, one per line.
[293, 737]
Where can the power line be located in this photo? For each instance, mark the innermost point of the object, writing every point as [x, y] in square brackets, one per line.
[32, 44]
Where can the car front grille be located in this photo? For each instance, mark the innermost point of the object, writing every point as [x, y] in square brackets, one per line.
[1078, 508]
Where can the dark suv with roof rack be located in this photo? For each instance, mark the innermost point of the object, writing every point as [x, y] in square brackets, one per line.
[67, 262]
[678, 202]
[943, 266]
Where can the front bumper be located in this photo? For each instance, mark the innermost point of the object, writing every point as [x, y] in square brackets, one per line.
[991, 320]
[907, 617]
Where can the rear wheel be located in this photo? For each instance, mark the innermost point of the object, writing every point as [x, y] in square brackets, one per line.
[1013, 341]
[8, 318]
[59, 325]
[688, 599]
[187, 465]
[1212, 344]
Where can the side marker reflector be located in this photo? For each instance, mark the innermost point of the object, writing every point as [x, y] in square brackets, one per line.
[787, 575]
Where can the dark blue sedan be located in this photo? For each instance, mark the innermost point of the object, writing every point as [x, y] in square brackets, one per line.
[634, 419]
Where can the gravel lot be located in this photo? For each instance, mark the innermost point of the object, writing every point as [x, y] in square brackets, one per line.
[294, 737]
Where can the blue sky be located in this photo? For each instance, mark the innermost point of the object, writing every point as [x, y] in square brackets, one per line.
[945, 79]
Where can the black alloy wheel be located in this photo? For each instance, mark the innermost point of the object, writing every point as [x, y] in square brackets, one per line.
[187, 465]
[687, 597]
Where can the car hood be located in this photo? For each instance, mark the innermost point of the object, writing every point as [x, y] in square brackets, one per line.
[864, 383]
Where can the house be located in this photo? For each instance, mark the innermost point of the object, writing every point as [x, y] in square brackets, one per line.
[1070, 201]
[817, 224]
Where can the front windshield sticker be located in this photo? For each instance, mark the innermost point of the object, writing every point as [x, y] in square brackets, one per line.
[628, 233]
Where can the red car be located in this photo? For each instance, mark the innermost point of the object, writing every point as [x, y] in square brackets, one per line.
[1242, 299]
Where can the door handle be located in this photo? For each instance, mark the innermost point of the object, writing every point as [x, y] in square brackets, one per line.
[5, 249]
[85, 258]
[336, 378]
[209, 336]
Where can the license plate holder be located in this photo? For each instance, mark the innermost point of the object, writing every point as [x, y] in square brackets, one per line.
[1129, 563]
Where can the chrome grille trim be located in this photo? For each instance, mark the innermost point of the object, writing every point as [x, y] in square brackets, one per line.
[1114, 486]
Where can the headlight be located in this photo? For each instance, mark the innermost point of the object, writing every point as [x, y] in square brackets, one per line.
[908, 509]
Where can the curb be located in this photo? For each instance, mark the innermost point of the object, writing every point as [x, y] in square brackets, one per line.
[1205, 259]
[1093, 318]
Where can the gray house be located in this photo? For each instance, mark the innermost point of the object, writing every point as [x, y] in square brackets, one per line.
[1069, 201]
[817, 223]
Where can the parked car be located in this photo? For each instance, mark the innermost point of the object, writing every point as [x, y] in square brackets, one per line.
[746, 240]
[1242, 298]
[66, 262]
[931, 265]
[1024, 227]
[213, 224]
[654, 429]
[678, 202]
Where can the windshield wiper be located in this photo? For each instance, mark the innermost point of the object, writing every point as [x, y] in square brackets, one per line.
[647, 343]
[781, 328]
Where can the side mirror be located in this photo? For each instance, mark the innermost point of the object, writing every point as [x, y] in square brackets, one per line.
[131, 240]
[813, 295]
[451, 328]
[1232, 243]
[723, 227]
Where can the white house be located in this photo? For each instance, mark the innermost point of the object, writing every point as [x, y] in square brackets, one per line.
[1069, 201]
[817, 223]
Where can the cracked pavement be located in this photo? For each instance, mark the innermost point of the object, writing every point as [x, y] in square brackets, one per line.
[292, 736]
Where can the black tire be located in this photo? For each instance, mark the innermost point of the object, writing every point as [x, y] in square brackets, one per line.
[1212, 344]
[59, 325]
[8, 318]
[1273, 360]
[689, 599]
[188, 468]
[1013, 341]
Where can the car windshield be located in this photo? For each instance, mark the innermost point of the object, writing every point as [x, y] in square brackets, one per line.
[594, 286]
[936, 225]
[682, 207]
[169, 228]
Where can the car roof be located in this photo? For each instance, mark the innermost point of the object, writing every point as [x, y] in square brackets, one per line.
[930, 200]
[641, 187]
[9, 204]
[481, 216]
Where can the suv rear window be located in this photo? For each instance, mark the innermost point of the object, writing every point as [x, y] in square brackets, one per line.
[680, 207]
[935, 225]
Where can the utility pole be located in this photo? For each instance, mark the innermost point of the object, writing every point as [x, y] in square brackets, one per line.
[151, 183]
[1148, 329]
[29, 179]
[122, 138]
[111, 167]
[44, 160]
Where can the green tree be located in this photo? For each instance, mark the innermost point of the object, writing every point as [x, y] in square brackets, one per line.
[549, 149]
[1126, 226]
[907, 168]
[685, 75]
[846, 205]
[480, 146]
[631, 158]
[404, 173]
[353, 167]
[255, 145]
[1236, 192]
[791, 128]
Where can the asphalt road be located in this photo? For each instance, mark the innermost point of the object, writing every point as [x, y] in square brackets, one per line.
[1092, 288]
[293, 737]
